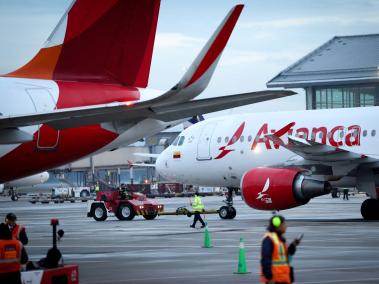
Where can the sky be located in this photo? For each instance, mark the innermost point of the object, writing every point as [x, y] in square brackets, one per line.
[269, 36]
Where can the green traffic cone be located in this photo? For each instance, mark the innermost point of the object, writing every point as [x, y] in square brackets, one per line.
[242, 269]
[207, 238]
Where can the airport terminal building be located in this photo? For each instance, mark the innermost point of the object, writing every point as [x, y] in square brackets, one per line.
[341, 73]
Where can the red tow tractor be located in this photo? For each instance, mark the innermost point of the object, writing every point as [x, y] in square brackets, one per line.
[124, 204]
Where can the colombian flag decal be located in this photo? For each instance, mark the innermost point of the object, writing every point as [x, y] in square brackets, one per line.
[176, 154]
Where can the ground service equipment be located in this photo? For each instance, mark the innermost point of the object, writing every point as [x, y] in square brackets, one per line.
[49, 270]
[225, 212]
[125, 205]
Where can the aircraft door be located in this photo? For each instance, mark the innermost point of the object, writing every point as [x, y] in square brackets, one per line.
[47, 137]
[204, 144]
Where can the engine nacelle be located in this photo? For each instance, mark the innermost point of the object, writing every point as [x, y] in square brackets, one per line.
[279, 189]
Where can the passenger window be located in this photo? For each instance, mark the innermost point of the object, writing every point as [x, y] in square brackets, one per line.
[175, 141]
[321, 135]
[373, 132]
[219, 140]
[249, 138]
[226, 139]
[242, 138]
[341, 134]
[364, 133]
[234, 139]
[181, 141]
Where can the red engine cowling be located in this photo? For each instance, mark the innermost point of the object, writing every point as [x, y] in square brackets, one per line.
[279, 189]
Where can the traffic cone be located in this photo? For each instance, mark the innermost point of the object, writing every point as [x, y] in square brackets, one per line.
[242, 269]
[207, 238]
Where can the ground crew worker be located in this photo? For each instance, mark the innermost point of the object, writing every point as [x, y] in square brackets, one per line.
[346, 194]
[97, 187]
[12, 255]
[275, 267]
[197, 207]
[17, 230]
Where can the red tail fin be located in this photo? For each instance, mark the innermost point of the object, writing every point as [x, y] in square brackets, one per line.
[108, 41]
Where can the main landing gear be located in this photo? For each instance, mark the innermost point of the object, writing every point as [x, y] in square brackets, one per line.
[13, 194]
[228, 211]
[370, 209]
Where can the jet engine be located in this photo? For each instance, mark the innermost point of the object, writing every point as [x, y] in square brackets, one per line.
[279, 189]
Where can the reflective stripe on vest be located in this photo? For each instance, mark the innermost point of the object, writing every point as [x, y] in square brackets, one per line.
[10, 256]
[279, 266]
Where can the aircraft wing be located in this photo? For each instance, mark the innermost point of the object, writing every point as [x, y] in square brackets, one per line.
[197, 107]
[81, 116]
[311, 150]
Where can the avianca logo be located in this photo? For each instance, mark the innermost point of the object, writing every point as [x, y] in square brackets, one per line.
[338, 136]
[236, 136]
[263, 195]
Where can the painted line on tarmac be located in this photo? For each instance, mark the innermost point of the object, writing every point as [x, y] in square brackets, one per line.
[134, 246]
[196, 276]
[362, 280]
[337, 268]
[176, 246]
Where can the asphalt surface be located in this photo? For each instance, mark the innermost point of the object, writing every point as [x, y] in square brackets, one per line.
[338, 246]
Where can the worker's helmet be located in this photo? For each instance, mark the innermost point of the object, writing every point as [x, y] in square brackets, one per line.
[11, 217]
[276, 221]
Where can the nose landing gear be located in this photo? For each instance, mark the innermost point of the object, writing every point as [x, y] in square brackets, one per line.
[228, 211]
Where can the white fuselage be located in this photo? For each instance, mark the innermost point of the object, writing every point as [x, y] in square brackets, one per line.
[207, 157]
[28, 96]
[47, 148]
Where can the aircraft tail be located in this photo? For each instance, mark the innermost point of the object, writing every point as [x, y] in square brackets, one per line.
[108, 41]
[199, 74]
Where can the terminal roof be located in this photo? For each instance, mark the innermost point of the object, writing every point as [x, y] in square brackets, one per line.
[341, 60]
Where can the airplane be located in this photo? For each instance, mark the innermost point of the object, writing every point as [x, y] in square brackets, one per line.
[29, 181]
[280, 160]
[85, 91]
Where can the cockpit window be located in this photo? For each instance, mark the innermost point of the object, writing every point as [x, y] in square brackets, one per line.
[175, 141]
[181, 140]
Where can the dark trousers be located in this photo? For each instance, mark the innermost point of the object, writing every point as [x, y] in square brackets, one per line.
[196, 218]
[345, 195]
[10, 277]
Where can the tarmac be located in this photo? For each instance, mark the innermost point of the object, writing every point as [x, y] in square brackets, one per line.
[338, 246]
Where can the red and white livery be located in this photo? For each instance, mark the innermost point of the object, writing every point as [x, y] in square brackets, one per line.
[281, 160]
[85, 91]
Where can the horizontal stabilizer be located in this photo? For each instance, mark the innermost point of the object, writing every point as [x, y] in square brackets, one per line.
[143, 165]
[147, 155]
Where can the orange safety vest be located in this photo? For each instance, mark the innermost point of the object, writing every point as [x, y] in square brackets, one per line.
[10, 256]
[280, 267]
[16, 231]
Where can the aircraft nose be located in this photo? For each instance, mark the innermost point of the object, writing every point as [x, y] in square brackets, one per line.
[44, 177]
[161, 165]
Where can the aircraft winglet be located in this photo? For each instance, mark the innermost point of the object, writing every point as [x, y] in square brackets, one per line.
[198, 75]
[207, 59]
